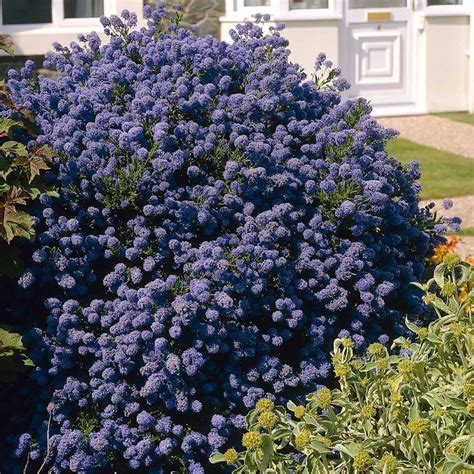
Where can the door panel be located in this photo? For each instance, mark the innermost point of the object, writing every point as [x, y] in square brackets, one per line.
[379, 59]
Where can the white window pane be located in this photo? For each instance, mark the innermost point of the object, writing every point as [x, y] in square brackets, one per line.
[303, 4]
[256, 3]
[23, 12]
[444, 2]
[377, 3]
[83, 8]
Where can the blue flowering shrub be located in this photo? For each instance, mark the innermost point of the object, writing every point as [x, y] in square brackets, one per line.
[392, 413]
[222, 219]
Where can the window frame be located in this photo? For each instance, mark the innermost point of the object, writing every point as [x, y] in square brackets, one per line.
[57, 17]
[446, 10]
[280, 11]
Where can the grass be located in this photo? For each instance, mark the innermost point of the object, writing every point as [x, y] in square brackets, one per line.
[443, 174]
[464, 117]
[467, 232]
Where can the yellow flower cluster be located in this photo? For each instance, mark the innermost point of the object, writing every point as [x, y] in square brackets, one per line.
[347, 342]
[422, 333]
[264, 404]
[448, 289]
[300, 410]
[302, 440]
[342, 370]
[376, 349]
[323, 398]
[418, 426]
[406, 367]
[231, 456]
[468, 390]
[362, 460]
[252, 440]
[267, 420]
[367, 411]
[388, 463]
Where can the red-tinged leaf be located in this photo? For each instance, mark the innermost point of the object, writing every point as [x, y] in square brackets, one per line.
[12, 198]
[32, 165]
[44, 151]
[37, 164]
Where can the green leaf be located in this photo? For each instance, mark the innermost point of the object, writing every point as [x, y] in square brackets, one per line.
[9, 340]
[52, 193]
[267, 448]
[33, 192]
[418, 445]
[440, 304]
[291, 406]
[216, 457]
[349, 448]
[4, 187]
[321, 448]
[411, 326]
[12, 147]
[439, 274]
[17, 224]
[6, 125]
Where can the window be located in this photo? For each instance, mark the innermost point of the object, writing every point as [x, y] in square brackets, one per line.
[23, 12]
[83, 8]
[377, 3]
[55, 12]
[306, 4]
[432, 3]
[256, 3]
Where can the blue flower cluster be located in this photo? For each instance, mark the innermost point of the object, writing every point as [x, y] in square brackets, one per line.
[222, 219]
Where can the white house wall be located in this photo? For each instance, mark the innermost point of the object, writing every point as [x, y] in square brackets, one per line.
[31, 40]
[443, 57]
[447, 63]
[307, 39]
[35, 41]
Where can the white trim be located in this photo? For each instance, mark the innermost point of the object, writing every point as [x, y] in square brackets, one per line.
[37, 39]
[279, 10]
[470, 53]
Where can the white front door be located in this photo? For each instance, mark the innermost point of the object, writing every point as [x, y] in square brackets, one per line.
[380, 54]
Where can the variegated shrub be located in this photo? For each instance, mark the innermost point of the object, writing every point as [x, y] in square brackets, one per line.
[405, 413]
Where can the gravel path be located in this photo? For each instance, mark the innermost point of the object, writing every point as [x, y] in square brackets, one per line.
[463, 207]
[465, 247]
[436, 132]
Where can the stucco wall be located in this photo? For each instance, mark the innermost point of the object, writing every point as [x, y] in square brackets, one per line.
[447, 63]
[203, 13]
[307, 39]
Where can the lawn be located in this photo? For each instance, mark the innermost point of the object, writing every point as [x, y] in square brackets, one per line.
[467, 232]
[464, 117]
[443, 174]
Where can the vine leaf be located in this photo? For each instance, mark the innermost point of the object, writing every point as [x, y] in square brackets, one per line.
[12, 198]
[16, 224]
[12, 147]
[6, 125]
[32, 165]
